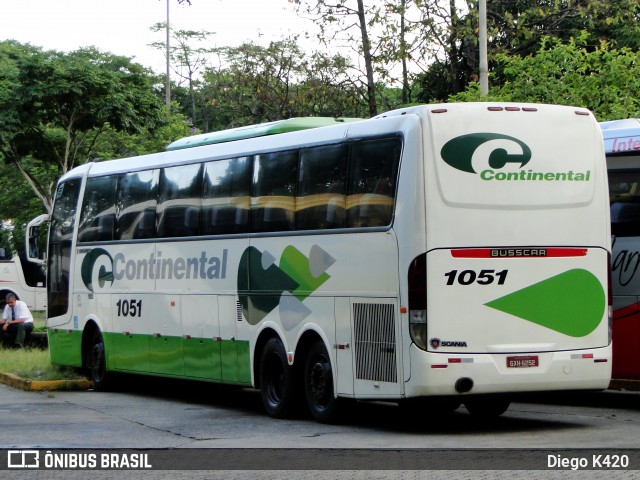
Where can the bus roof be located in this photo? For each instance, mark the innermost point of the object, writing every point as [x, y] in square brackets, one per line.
[259, 130]
[621, 136]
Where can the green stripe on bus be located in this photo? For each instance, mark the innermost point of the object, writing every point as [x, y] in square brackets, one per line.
[65, 347]
[226, 361]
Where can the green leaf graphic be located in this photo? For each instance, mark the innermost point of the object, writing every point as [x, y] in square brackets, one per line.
[296, 265]
[571, 303]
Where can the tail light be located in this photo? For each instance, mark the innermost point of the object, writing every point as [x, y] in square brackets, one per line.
[417, 278]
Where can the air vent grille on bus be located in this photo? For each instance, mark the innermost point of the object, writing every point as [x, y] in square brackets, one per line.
[239, 311]
[375, 342]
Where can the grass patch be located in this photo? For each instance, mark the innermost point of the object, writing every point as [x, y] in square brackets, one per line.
[34, 364]
[39, 321]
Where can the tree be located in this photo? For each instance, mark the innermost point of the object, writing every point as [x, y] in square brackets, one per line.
[187, 61]
[518, 27]
[55, 106]
[337, 20]
[602, 79]
[254, 84]
[17, 206]
[114, 143]
[515, 27]
[448, 41]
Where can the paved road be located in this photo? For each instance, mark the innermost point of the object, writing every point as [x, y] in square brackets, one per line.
[161, 414]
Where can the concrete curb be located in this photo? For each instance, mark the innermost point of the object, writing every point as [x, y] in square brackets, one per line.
[53, 385]
[44, 385]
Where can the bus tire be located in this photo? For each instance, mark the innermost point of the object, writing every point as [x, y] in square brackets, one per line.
[277, 386]
[318, 385]
[487, 406]
[97, 363]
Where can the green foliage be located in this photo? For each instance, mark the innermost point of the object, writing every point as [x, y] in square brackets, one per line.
[517, 28]
[603, 79]
[113, 144]
[258, 84]
[54, 106]
[18, 204]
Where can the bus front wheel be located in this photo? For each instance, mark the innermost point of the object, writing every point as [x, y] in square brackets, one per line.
[318, 382]
[96, 362]
[276, 380]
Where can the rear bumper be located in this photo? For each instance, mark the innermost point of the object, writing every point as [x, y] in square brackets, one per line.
[438, 373]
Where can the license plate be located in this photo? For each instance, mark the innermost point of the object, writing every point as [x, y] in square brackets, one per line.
[522, 362]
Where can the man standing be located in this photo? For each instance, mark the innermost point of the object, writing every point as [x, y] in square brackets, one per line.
[16, 322]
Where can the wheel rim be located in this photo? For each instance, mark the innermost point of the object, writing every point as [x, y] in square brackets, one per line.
[319, 382]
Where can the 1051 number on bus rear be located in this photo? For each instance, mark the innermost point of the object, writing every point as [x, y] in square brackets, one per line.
[484, 277]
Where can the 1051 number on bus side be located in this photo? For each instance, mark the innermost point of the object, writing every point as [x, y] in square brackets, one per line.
[467, 277]
[129, 308]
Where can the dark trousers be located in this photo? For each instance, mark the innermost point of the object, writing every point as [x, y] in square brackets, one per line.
[15, 333]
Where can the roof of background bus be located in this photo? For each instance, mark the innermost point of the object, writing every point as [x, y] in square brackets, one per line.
[626, 123]
[619, 129]
[259, 130]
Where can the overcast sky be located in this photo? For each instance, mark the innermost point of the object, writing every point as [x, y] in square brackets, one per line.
[123, 26]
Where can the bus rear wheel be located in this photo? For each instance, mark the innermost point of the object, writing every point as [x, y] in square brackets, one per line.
[487, 407]
[276, 380]
[429, 407]
[318, 383]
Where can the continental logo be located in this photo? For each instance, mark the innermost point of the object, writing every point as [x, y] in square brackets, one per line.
[263, 283]
[100, 270]
[487, 154]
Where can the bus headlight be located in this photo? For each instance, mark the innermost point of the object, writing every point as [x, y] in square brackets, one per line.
[418, 328]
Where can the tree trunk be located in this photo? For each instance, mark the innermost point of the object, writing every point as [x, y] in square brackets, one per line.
[368, 62]
[403, 53]
[454, 63]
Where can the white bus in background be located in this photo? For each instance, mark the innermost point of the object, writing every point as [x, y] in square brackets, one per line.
[622, 147]
[431, 256]
[23, 274]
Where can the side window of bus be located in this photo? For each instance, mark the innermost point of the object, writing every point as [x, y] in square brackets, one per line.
[179, 201]
[273, 188]
[373, 167]
[321, 187]
[97, 217]
[136, 205]
[624, 193]
[226, 196]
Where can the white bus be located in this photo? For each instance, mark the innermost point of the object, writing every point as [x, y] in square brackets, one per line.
[622, 147]
[23, 273]
[454, 252]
